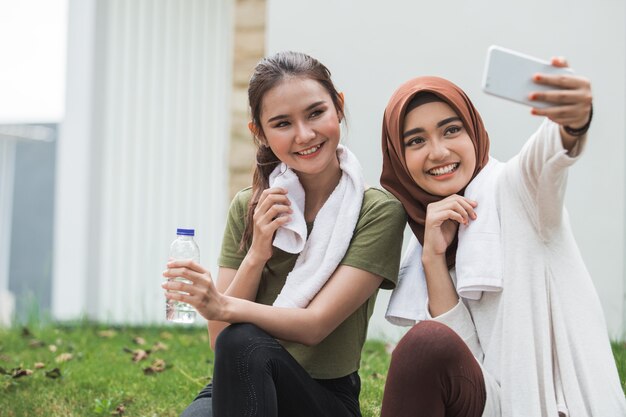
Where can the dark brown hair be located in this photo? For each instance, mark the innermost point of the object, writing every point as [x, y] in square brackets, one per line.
[268, 73]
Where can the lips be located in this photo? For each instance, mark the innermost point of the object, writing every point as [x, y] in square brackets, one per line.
[309, 151]
[443, 169]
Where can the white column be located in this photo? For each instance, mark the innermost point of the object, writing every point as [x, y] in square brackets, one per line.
[73, 173]
[143, 150]
[7, 171]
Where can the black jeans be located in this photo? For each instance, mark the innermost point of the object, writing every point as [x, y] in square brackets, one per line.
[255, 376]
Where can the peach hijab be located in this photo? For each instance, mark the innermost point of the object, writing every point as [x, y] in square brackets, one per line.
[396, 177]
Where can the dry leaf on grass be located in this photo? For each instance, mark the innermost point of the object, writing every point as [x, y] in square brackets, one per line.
[119, 410]
[159, 346]
[138, 354]
[5, 358]
[64, 357]
[35, 343]
[39, 365]
[17, 372]
[157, 366]
[54, 373]
[139, 340]
[107, 333]
[52, 348]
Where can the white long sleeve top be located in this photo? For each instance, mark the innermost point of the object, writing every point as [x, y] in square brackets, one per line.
[542, 341]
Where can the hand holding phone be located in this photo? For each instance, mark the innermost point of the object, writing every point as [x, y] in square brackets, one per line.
[509, 74]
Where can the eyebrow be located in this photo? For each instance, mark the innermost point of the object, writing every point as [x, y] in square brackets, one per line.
[441, 123]
[284, 116]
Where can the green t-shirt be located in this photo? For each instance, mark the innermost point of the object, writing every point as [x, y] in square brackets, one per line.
[375, 247]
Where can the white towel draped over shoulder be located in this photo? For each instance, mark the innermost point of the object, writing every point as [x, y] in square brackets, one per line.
[407, 304]
[335, 222]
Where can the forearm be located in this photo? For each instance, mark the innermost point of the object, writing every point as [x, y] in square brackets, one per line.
[442, 295]
[300, 325]
[570, 142]
[245, 283]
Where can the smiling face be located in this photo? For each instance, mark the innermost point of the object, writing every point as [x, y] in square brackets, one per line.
[439, 152]
[300, 123]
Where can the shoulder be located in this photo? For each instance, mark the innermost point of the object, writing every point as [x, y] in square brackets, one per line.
[242, 198]
[375, 197]
[378, 202]
[239, 204]
[244, 195]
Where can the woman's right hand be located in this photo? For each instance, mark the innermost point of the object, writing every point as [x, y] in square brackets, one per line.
[272, 211]
[442, 222]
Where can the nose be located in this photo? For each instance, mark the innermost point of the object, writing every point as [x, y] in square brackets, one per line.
[304, 133]
[439, 150]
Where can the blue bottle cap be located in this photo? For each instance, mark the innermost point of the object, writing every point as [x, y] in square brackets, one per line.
[185, 232]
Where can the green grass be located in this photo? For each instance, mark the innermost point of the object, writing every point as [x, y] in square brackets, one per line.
[619, 352]
[101, 378]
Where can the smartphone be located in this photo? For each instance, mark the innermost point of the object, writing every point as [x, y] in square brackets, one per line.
[508, 74]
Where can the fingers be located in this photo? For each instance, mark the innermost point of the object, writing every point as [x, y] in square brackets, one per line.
[271, 196]
[571, 99]
[195, 287]
[273, 210]
[571, 115]
[559, 61]
[186, 273]
[576, 96]
[186, 263]
[454, 207]
[563, 81]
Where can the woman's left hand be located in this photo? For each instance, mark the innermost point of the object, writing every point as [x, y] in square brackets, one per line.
[200, 293]
[571, 97]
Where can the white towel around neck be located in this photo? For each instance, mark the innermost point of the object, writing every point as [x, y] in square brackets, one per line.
[474, 275]
[335, 222]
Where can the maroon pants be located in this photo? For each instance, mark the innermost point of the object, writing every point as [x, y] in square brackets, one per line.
[433, 374]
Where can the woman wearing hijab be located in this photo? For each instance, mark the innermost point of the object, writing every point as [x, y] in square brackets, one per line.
[508, 319]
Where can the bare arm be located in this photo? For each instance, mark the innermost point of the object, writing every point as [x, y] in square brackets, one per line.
[442, 222]
[225, 277]
[272, 212]
[345, 291]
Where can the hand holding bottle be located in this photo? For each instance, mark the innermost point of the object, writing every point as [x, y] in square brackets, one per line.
[183, 248]
[196, 289]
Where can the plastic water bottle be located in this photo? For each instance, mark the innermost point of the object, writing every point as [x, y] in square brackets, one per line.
[184, 247]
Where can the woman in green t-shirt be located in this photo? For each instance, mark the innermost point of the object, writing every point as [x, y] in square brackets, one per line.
[304, 252]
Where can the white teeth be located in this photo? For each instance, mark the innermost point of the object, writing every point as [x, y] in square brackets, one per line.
[310, 151]
[443, 170]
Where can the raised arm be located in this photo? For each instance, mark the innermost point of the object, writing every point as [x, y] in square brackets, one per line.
[271, 212]
[442, 222]
[544, 159]
[572, 98]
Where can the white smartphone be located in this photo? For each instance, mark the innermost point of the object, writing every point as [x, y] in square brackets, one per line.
[508, 74]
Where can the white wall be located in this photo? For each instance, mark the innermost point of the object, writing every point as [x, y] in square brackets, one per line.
[32, 74]
[7, 173]
[32, 47]
[373, 46]
[141, 152]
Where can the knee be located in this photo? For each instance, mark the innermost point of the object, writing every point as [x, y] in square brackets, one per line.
[429, 344]
[237, 336]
